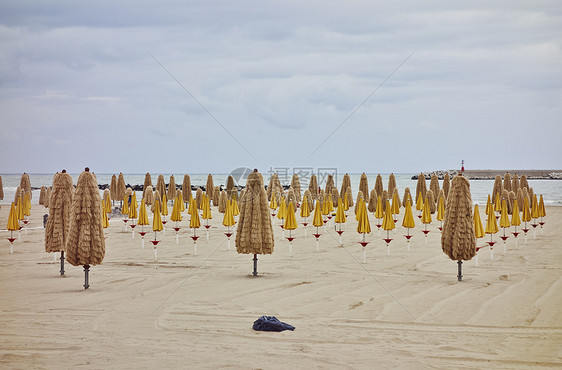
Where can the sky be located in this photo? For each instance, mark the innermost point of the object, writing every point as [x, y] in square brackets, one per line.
[208, 86]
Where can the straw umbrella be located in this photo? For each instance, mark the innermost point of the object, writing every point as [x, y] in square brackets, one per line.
[199, 198]
[143, 220]
[58, 222]
[542, 212]
[426, 216]
[210, 187]
[335, 195]
[235, 209]
[505, 195]
[19, 193]
[254, 234]
[308, 197]
[498, 187]
[42, 195]
[421, 187]
[13, 225]
[363, 227]
[317, 221]
[407, 196]
[230, 188]
[372, 206]
[458, 240]
[507, 181]
[391, 183]
[520, 196]
[171, 194]
[207, 215]
[216, 196]
[161, 187]
[357, 203]
[330, 186]
[478, 230]
[511, 198]
[48, 197]
[25, 184]
[523, 183]
[271, 185]
[113, 188]
[305, 211]
[387, 225]
[515, 184]
[446, 186]
[364, 186]
[296, 185]
[534, 215]
[430, 195]
[148, 196]
[313, 187]
[434, 186]
[340, 218]
[346, 183]
[290, 223]
[504, 223]
[147, 183]
[491, 228]
[186, 189]
[291, 198]
[157, 224]
[223, 201]
[378, 184]
[349, 196]
[408, 222]
[121, 188]
[86, 242]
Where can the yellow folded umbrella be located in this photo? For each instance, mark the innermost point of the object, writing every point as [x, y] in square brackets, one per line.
[157, 219]
[305, 211]
[125, 208]
[26, 204]
[282, 209]
[164, 205]
[19, 208]
[107, 205]
[542, 209]
[340, 213]
[497, 203]
[192, 206]
[515, 219]
[290, 222]
[491, 225]
[143, 216]
[235, 209]
[176, 211]
[325, 206]
[478, 229]
[180, 195]
[207, 208]
[273, 202]
[408, 221]
[440, 210]
[345, 202]
[228, 219]
[504, 218]
[388, 221]
[526, 215]
[395, 204]
[426, 213]
[330, 204]
[13, 223]
[535, 207]
[194, 222]
[133, 206]
[363, 225]
[104, 219]
[489, 206]
[419, 204]
[317, 219]
[379, 213]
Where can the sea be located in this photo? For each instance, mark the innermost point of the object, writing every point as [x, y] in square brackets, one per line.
[550, 189]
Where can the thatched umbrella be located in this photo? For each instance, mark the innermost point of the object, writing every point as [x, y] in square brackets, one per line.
[156, 195]
[161, 186]
[313, 187]
[372, 207]
[210, 187]
[47, 198]
[329, 188]
[18, 194]
[498, 188]
[431, 200]
[42, 195]
[58, 222]
[349, 195]
[25, 184]
[346, 183]
[391, 183]
[378, 185]
[296, 185]
[505, 195]
[291, 198]
[515, 184]
[148, 196]
[254, 234]
[523, 182]
[308, 197]
[446, 186]
[230, 188]
[434, 186]
[147, 183]
[171, 194]
[86, 241]
[186, 189]
[271, 185]
[199, 198]
[223, 202]
[335, 195]
[520, 197]
[121, 188]
[384, 198]
[511, 199]
[507, 181]
[458, 240]
[364, 186]
[421, 187]
[113, 188]
[407, 196]
[216, 196]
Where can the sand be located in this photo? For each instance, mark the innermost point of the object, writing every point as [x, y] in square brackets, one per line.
[406, 310]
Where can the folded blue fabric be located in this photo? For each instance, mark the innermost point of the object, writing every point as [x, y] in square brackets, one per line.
[271, 323]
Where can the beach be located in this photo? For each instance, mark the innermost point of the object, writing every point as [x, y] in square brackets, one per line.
[406, 310]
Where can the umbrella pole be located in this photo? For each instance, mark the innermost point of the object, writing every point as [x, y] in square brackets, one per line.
[388, 244]
[491, 247]
[86, 276]
[364, 251]
[525, 232]
[62, 263]
[408, 239]
[425, 234]
[459, 276]
[504, 243]
[290, 245]
[255, 273]
[195, 242]
[11, 241]
[207, 229]
[516, 236]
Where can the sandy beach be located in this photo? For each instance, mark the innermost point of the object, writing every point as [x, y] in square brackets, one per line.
[406, 310]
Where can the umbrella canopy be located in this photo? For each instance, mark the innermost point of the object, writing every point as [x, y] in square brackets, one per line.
[157, 224]
[317, 219]
[421, 188]
[235, 209]
[478, 229]
[296, 185]
[535, 208]
[164, 205]
[48, 197]
[542, 209]
[391, 184]
[313, 186]
[388, 221]
[349, 197]
[133, 206]
[345, 201]
[13, 223]
[340, 213]
[357, 202]
[42, 195]
[147, 183]
[106, 201]
[378, 184]
[161, 186]
[512, 198]
[230, 189]
[207, 208]
[199, 198]
[186, 188]
[515, 219]
[282, 209]
[305, 210]
[431, 201]
[180, 200]
[113, 187]
[228, 219]
[395, 203]
[273, 203]
[290, 221]
[27, 204]
[364, 186]
[434, 186]
[515, 183]
[271, 185]
[104, 219]
[125, 208]
[408, 221]
[491, 225]
[176, 210]
[216, 196]
[18, 194]
[194, 221]
[19, 208]
[86, 241]
[497, 203]
[363, 225]
[25, 184]
[504, 218]
[523, 183]
[171, 188]
[210, 186]
[407, 196]
[223, 202]
[121, 188]
[507, 181]
[291, 198]
[489, 206]
[446, 186]
[254, 234]
[419, 202]
[148, 196]
[441, 209]
[58, 222]
[458, 240]
[426, 214]
[498, 187]
[379, 212]
[143, 216]
[505, 196]
[372, 205]
[346, 183]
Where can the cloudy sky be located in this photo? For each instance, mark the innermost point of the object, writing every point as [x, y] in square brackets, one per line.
[407, 86]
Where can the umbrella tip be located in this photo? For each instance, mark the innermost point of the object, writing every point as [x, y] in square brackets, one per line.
[87, 169]
[255, 170]
[63, 171]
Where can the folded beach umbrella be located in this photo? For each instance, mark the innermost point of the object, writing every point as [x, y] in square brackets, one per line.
[408, 222]
[317, 221]
[507, 181]
[426, 217]
[25, 184]
[346, 183]
[526, 215]
[313, 187]
[42, 195]
[434, 186]
[19, 208]
[491, 228]
[125, 206]
[195, 223]
[497, 204]
[458, 240]
[179, 194]
[345, 202]
[13, 225]
[542, 211]
[363, 227]
[228, 221]
[504, 223]
[176, 215]
[407, 196]
[391, 184]
[340, 218]
[421, 188]
[296, 185]
[207, 215]
[497, 190]
[515, 219]
[441, 211]
[210, 187]
[489, 207]
[395, 208]
[133, 214]
[1, 189]
[58, 222]
[387, 225]
[27, 204]
[534, 214]
[121, 188]
[235, 209]
[161, 187]
[104, 219]
[86, 240]
[478, 230]
[157, 224]
[223, 202]
[254, 234]
[419, 204]
[290, 223]
[148, 196]
[186, 188]
[107, 201]
[305, 211]
[446, 186]
[143, 220]
[364, 185]
[378, 184]
[113, 187]
[273, 205]
[164, 210]
[372, 205]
